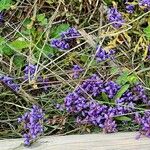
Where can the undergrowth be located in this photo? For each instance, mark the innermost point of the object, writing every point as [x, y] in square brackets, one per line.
[27, 30]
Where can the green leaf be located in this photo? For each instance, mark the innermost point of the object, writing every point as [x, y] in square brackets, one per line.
[26, 22]
[5, 4]
[93, 63]
[20, 44]
[42, 19]
[2, 40]
[19, 61]
[122, 91]
[4, 48]
[122, 79]
[55, 33]
[147, 32]
[123, 118]
[2, 43]
[49, 50]
[108, 2]
[105, 97]
[96, 129]
[84, 58]
[132, 79]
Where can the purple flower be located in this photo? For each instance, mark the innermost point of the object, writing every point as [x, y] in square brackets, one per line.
[110, 126]
[8, 81]
[121, 110]
[130, 8]
[111, 88]
[92, 86]
[76, 71]
[145, 4]
[132, 96]
[74, 103]
[67, 37]
[115, 17]
[127, 102]
[140, 93]
[33, 124]
[71, 33]
[26, 139]
[29, 71]
[60, 44]
[144, 122]
[98, 115]
[102, 55]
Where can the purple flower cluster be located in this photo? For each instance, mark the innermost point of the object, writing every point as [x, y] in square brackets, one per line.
[90, 111]
[130, 8]
[94, 86]
[145, 4]
[110, 126]
[8, 81]
[115, 17]
[64, 43]
[60, 44]
[76, 71]
[140, 94]
[71, 33]
[132, 96]
[102, 55]
[75, 103]
[122, 110]
[91, 86]
[127, 100]
[144, 122]
[33, 124]
[29, 71]
[102, 116]
[110, 88]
